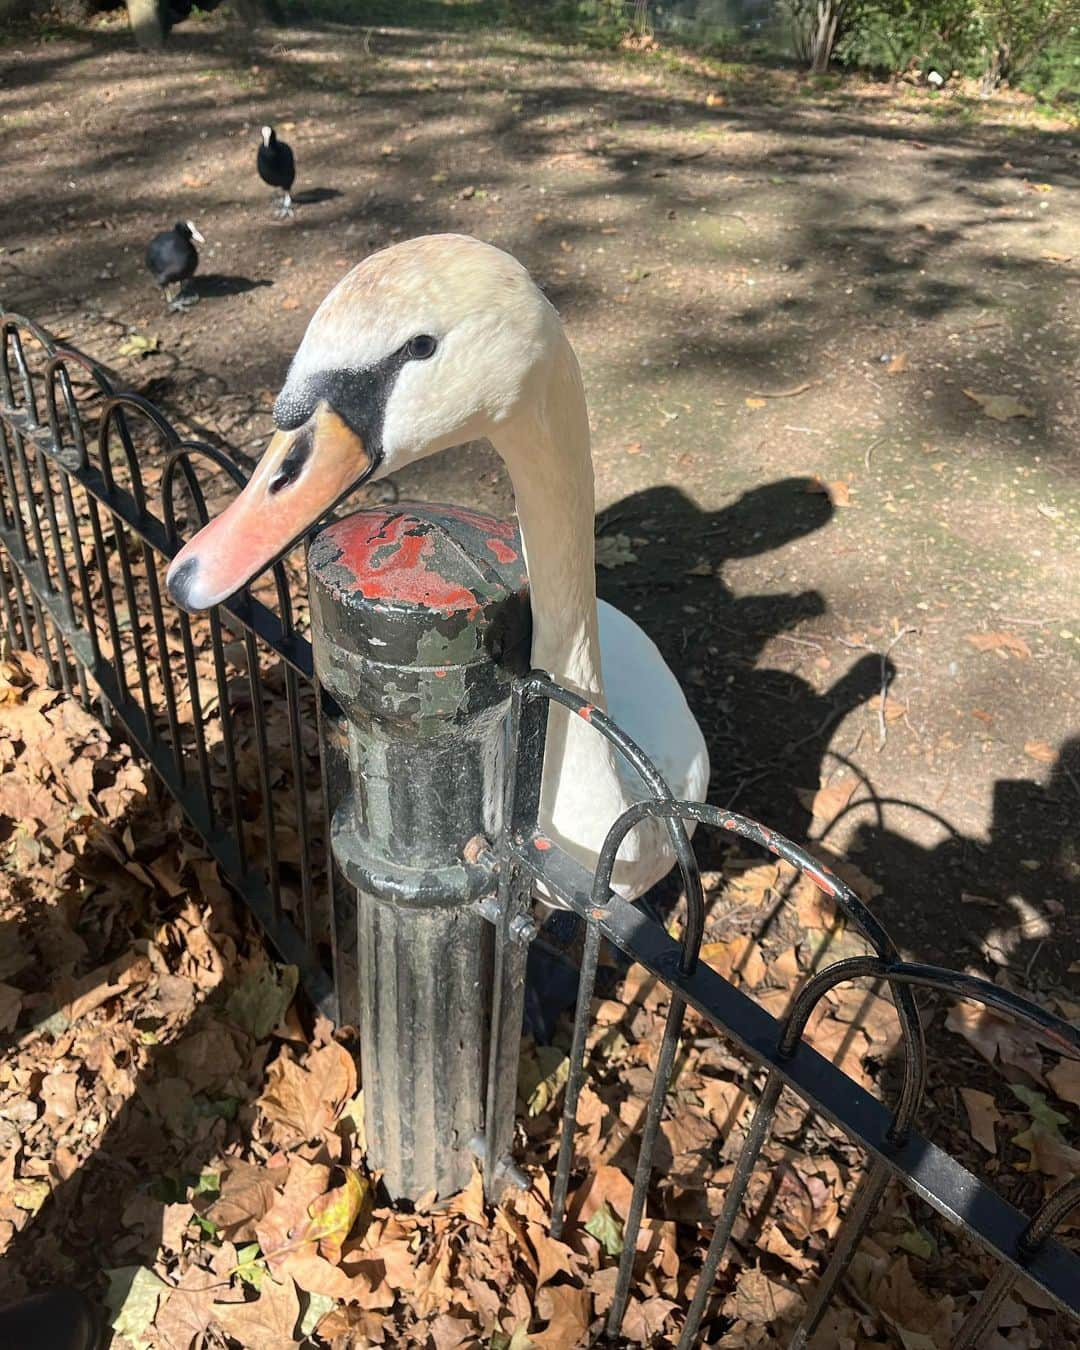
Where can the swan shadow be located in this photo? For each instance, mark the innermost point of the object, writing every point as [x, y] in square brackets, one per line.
[768, 729]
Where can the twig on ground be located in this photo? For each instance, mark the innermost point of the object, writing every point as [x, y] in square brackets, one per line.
[883, 731]
[799, 642]
[784, 393]
[871, 448]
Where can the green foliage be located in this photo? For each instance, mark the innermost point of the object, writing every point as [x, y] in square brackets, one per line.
[897, 35]
[1033, 42]
[1016, 32]
[606, 1227]
[588, 20]
[1053, 75]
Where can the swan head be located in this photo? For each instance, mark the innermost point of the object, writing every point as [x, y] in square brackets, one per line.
[427, 344]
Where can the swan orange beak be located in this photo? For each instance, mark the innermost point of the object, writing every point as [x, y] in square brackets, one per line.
[301, 476]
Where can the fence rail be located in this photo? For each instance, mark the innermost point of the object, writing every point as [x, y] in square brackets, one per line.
[81, 578]
[891, 1141]
[220, 711]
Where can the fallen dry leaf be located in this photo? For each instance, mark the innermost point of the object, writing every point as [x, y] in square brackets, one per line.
[838, 492]
[268, 1322]
[982, 1115]
[738, 959]
[1004, 644]
[645, 1319]
[302, 1099]
[290, 302]
[996, 1038]
[764, 1302]
[827, 802]
[814, 908]
[1043, 751]
[898, 364]
[311, 1217]
[613, 550]
[912, 1311]
[568, 1312]
[246, 1192]
[1065, 1080]
[1001, 407]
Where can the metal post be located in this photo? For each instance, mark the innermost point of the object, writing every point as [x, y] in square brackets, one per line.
[419, 618]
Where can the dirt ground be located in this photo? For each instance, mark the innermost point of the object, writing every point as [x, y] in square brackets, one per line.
[714, 239]
[829, 335]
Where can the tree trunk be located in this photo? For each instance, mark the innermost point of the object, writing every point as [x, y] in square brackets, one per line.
[147, 19]
[997, 70]
[824, 38]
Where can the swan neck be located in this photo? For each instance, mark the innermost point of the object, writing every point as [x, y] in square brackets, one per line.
[548, 456]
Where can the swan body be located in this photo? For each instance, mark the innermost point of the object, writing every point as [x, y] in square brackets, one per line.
[423, 346]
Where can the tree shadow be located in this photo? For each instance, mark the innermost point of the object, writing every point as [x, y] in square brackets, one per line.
[167, 1094]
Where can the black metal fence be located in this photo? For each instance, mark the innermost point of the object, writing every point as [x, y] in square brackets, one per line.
[225, 714]
[96, 489]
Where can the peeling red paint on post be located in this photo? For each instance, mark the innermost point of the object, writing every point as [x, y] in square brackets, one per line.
[586, 713]
[386, 554]
[440, 674]
[503, 552]
[541, 843]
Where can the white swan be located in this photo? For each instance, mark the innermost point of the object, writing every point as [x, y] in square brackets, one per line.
[423, 346]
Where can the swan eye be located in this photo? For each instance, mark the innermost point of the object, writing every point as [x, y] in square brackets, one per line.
[421, 347]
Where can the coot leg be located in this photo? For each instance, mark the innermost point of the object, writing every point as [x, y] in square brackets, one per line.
[182, 301]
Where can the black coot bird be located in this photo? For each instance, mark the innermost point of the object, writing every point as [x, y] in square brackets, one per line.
[277, 167]
[172, 258]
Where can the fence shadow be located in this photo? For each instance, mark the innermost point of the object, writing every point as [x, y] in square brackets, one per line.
[1011, 898]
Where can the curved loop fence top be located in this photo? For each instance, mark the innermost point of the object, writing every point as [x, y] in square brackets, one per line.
[604, 913]
[84, 586]
[539, 683]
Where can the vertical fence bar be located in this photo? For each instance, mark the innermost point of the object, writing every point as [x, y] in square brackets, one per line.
[403, 611]
[521, 800]
[576, 1077]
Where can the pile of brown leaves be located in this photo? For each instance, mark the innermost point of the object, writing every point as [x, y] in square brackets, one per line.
[173, 1123]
